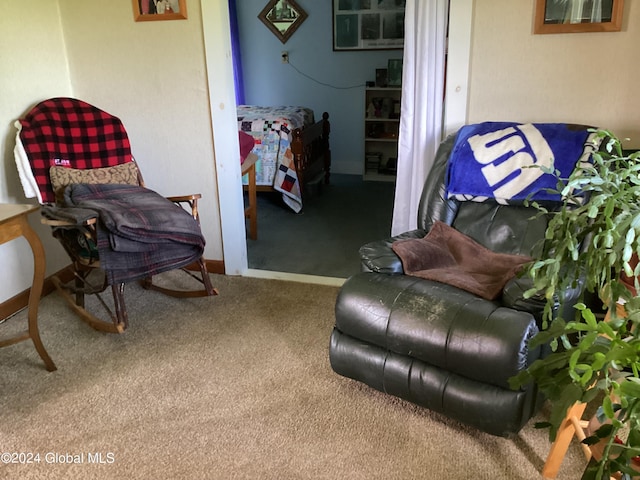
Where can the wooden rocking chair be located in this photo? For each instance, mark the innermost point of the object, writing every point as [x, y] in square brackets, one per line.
[76, 159]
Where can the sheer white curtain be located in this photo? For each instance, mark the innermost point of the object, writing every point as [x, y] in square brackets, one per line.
[422, 101]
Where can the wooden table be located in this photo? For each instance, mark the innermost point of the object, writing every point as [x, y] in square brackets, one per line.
[14, 224]
[251, 212]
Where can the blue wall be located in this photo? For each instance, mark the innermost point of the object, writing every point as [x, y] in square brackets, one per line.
[270, 82]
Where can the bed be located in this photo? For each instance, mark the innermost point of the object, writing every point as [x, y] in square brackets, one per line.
[292, 149]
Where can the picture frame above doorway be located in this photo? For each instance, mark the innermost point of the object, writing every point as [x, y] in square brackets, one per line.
[154, 10]
[368, 24]
[578, 16]
[282, 17]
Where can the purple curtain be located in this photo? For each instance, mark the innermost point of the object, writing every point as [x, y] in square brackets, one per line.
[235, 53]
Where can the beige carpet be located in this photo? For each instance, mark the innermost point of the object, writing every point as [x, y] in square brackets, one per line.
[230, 387]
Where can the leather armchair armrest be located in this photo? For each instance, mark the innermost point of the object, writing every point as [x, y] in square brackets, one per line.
[380, 258]
[513, 297]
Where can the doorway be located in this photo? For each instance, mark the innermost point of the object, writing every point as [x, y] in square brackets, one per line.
[215, 17]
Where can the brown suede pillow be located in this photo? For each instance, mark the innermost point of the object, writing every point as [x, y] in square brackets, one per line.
[448, 256]
[125, 174]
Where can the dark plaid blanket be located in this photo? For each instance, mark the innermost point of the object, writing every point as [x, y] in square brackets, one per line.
[140, 233]
[71, 133]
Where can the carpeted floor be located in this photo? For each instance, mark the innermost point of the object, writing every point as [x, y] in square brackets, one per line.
[236, 386]
[324, 238]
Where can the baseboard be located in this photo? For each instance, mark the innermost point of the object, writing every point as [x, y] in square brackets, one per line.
[215, 266]
[21, 300]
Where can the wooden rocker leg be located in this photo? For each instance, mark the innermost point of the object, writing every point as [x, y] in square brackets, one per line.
[79, 290]
[117, 325]
[75, 297]
[207, 291]
[571, 426]
[206, 280]
[121, 309]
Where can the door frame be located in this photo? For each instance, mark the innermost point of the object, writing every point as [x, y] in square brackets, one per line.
[218, 60]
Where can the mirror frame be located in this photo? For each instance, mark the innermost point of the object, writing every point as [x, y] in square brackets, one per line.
[613, 26]
[263, 16]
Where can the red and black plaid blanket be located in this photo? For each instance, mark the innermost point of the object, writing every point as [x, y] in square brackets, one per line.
[140, 233]
[71, 133]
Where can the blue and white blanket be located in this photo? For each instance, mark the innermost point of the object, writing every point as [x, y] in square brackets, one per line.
[492, 160]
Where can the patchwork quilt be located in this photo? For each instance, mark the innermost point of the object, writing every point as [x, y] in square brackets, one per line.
[271, 129]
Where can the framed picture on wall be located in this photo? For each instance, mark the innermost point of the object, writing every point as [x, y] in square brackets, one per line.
[574, 16]
[368, 24]
[150, 10]
[282, 17]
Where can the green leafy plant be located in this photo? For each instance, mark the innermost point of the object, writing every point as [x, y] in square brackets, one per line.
[595, 236]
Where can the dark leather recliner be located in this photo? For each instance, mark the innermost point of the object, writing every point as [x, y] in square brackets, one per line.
[436, 345]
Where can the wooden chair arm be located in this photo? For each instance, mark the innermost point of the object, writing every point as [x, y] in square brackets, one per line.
[67, 223]
[185, 198]
[192, 200]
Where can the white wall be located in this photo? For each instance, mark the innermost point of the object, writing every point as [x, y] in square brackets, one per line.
[34, 67]
[457, 67]
[589, 78]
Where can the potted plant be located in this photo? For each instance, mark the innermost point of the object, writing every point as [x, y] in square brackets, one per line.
[594, 236]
